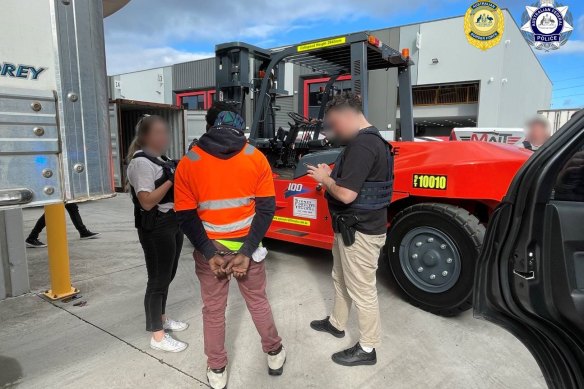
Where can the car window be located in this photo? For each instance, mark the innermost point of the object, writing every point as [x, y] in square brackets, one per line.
[570, 182]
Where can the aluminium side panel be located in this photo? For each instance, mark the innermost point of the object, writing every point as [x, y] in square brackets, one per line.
[54, 136]
[83, 109]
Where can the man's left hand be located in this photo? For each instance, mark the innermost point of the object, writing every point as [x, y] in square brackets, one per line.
[238, 266]
[320, 172]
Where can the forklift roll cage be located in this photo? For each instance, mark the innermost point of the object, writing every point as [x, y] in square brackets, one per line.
[354, 54]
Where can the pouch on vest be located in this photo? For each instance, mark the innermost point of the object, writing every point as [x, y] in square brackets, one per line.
[148, 219]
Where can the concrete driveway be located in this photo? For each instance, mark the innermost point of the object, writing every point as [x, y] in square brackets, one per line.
[103, 344]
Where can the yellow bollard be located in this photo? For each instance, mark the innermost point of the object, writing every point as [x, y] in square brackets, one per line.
[58, 253]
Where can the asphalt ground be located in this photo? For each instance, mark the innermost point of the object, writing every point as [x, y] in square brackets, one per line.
[103, 344]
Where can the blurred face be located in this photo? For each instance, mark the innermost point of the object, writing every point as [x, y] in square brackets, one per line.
[344, 122]
[158, 138]
[537, 134]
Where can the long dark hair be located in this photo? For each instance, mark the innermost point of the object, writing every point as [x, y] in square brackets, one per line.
[142, 129]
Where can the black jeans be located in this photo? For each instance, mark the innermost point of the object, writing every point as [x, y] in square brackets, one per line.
[73, 211]
[162, 246]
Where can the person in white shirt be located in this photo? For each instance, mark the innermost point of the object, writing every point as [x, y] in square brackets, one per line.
[151, 177]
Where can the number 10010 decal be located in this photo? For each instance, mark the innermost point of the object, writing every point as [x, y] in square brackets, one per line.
[430, 181]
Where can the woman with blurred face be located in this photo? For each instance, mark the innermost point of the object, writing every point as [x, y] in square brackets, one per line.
[151, 179]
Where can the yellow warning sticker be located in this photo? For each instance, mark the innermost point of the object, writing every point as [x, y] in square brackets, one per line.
[430, 181]
[322, 44]
[290, 220]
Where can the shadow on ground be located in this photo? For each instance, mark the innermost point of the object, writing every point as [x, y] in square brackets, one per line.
[10, 372]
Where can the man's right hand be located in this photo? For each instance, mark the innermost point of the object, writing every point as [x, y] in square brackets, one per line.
[216, 264]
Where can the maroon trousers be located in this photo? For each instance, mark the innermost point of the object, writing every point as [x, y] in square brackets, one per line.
[214, 294]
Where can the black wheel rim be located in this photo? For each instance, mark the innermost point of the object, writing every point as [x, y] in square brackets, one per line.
[430, 259]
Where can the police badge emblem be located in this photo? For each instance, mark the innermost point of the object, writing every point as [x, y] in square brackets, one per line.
[547, 25]
[484, 25]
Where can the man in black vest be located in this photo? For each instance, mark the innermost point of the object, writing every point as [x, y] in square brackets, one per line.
[358, 191]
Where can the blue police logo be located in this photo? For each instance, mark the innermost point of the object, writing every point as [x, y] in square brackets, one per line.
[547, 25]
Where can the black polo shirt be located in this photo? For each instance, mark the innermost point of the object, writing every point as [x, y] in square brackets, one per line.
[364, 159]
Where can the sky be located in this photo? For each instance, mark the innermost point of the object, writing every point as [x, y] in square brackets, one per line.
[152, 33]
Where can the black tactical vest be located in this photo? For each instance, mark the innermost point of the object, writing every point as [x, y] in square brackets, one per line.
[373, 195]
[168, 197]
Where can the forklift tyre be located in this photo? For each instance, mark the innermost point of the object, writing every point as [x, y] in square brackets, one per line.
[432, 250]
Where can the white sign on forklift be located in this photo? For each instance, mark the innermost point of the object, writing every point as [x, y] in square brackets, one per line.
[54, 138]
[508, 136]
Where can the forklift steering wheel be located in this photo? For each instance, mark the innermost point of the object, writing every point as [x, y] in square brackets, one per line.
[299, 119]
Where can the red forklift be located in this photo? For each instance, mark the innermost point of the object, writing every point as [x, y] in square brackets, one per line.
[444, 192]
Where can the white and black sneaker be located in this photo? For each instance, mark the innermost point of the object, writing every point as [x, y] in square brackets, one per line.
[34, 243]
[174, 325]
[217, 378]
[276, 360]
[168, 343]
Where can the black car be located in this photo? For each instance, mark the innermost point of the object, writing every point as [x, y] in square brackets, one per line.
[530, 275]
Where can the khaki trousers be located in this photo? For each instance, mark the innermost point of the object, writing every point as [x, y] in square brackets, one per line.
[354, 276]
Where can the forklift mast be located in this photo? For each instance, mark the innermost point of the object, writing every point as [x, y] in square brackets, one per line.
[243, 69]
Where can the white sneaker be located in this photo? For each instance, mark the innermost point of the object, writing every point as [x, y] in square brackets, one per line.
[276, 362]
[217, 378]
[168, 343]
[175, 326]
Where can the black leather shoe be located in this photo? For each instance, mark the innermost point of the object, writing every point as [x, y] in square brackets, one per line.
[355, 356]
[326, 326]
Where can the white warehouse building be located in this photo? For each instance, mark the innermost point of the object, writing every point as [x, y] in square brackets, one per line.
[454, 83]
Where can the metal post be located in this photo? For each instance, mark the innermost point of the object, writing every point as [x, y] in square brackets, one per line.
[13, 266]
[58, 253]
[406, 104]
[359, 74]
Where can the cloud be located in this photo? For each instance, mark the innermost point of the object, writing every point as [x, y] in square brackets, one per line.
[573, 46]
[122, 58]
[154, 30]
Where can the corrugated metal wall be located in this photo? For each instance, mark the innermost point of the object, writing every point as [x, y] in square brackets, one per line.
[286, 105]
[383, 87]
[193, 75]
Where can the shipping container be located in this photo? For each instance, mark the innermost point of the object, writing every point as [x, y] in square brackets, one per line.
[124, 115]
[558, 117]
[196, 125]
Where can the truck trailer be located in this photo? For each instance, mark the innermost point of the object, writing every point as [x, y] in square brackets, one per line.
[54, 135]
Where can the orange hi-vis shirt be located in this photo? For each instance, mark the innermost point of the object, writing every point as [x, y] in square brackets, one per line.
[223, 190]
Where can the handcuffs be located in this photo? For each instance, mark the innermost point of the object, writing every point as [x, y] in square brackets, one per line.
[226, 253]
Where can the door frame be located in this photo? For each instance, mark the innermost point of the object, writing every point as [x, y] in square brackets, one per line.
[309, 81]
[207, 99]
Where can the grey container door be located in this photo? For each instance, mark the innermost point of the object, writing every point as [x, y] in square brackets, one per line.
[115, 139]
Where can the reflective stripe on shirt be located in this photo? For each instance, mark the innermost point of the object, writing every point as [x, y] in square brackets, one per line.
[225, 203]
[231, 227]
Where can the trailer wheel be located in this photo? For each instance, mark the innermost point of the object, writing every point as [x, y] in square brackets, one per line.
[432, 250]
